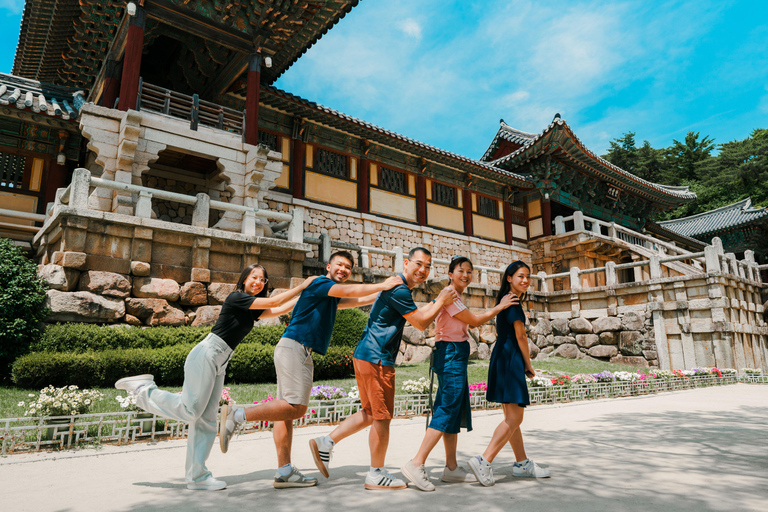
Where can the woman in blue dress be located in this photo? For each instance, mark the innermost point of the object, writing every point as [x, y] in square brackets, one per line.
[509, 366]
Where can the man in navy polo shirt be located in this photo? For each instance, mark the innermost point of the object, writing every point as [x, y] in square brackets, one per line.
[309, 331]
[374, 360]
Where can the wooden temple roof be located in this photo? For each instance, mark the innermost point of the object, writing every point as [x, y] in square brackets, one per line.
[569, 160]
[53, 100]
[724, 219]
[67, 42]
[312, 111]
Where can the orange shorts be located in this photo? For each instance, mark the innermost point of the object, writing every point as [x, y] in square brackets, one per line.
[376, 384]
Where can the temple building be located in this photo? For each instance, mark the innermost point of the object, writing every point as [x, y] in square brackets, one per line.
[150, 158]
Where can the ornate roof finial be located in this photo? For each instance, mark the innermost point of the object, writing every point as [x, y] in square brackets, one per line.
[557, 117]
[501, 121]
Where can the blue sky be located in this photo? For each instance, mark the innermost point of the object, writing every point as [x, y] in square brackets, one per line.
[444, 72]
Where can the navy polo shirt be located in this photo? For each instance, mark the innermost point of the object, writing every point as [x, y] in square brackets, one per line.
[314, 315]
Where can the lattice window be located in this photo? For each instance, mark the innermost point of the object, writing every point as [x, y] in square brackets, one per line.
[488, 207]
[443, 194]
[269, 139]
[11, 170]
[394, 181]
[332, 164]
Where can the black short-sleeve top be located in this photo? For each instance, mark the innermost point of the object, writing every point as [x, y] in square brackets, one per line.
[236, 318]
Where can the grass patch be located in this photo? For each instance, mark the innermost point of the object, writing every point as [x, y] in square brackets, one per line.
[248, 393]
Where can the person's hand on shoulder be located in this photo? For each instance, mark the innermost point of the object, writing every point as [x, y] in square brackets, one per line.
[446, 296]
[509, 299]
[392, 281]
[307, 281]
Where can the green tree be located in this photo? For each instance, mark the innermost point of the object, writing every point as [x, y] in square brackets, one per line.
[623, 152]
[22, 304]
[683, 159]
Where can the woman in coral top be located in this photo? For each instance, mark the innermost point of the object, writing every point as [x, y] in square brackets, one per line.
[452, 409]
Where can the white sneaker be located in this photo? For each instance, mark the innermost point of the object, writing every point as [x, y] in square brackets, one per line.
[529, 469]
[227, 426]
[294, 479]
[418, 476]
[209, 484]
[458, 475]
[482, 470]
[383, 481]
[133, 384]
[322, 452]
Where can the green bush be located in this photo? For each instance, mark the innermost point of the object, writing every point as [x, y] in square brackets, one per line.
[80, 338]
[251, 363]
[265, 334]
[22, 304]
[349, 327]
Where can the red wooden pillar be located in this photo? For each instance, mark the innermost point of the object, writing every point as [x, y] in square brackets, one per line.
[111, 84]
[363, 184]
[299, 154]
[252, 100]
[467, 200]
[507, 221]
[57, 178]
[134, 44]
[546, 213]
[421, 200]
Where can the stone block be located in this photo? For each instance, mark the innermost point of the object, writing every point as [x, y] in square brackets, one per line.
[587, 340]
[168, 316]
[533, 349]
[218, 292]
[143, 308]
[193, 294]
[605, 324]
[640, 362]
[560, 340]
[155, 288]
[631, 322]
[609, 338]
[602, 351]
[416, 354]
[108, 264]
[83, 307]
[543, 327]
[413, 336]
[547, 351]
[201, 275]
[58, 277]
[73, 260]
[132, 320]
[560, 327]
[580, 326]
[206, 315]
[568, 351]
[541, 341]
[140, 268]
[107, 284]
[483, 352]
[650, 354]
[473, 351]
[630, 343]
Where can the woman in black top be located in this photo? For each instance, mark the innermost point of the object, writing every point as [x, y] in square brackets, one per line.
[205, 367]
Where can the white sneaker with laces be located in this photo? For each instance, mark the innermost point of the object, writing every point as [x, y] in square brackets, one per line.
[383, 481]
[458, 475]
[418, 476]
[294, 479]
[482, 470]
[529, 469]
[322, 452]
[133, 384]
[209, 484]
[227, 426]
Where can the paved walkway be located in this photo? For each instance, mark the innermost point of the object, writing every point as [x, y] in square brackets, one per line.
[694, 450]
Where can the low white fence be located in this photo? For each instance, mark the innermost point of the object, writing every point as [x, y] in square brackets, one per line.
[36, 433]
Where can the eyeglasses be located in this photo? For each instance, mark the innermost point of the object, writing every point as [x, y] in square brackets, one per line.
[262, 280]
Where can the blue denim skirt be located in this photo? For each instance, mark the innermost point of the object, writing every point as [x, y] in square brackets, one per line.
[452, 411]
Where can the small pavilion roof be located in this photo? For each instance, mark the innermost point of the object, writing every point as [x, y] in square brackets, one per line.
[558, 140]
[288, 102]
[707, 224]
[53, 100]
[509, 134]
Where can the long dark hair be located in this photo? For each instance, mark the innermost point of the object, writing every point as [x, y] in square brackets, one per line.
[244, 275]
[458, 260]
[505, 288]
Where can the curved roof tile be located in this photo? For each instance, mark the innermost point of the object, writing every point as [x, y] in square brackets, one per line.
[733, 215]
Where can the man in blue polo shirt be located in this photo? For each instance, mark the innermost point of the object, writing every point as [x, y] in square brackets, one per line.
[309, 331]
[374, 361]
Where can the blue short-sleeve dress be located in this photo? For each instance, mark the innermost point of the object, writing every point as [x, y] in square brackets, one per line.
[506, 372]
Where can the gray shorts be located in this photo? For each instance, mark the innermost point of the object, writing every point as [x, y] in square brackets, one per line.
[294, 367]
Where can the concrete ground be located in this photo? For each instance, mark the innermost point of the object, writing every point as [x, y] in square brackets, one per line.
[696, 450]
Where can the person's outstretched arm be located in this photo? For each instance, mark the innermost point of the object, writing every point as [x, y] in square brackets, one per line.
[280, 310]
[425, 315]
[476, 320]
[356, 291]
[281, 298]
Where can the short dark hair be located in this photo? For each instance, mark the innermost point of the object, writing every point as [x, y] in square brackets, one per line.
[419, 249]
[343, 254]
[458, 260]
[244, 275]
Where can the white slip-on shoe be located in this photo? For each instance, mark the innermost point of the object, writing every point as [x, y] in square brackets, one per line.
[482, 470]
[529, 469]
[227, 426]
[209, 484]
[457, 476]
[418, 476]
[132, 384]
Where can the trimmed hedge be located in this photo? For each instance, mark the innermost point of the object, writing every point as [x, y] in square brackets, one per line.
[251, 363]
[80, 338]
[348, 328]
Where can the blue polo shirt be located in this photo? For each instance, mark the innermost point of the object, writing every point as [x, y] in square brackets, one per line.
[313, 316]
[381, 339]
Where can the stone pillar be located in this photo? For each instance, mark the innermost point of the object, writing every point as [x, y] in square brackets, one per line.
[144, 205]
[296, 227]
[201, 215]
[134, 45]
[399, 265]
[325, 248]
[578, 221]
[78, 192]
[610, 274]
[559, 225]
[252, 100]
[575, 279]
[543, 287]
[655, 267]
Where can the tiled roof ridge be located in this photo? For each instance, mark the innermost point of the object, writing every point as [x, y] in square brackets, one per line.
[390, 133]
[682, 192]
[504, 128]
[743, 204]
[40, 97]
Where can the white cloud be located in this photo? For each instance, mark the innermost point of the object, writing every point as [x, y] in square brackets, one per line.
[411, 28]
[15, 6]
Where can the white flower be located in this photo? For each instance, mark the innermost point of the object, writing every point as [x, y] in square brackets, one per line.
[20, 404]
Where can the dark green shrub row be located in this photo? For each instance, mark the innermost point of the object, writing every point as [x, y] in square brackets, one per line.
[81, 338]
[251, 363]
